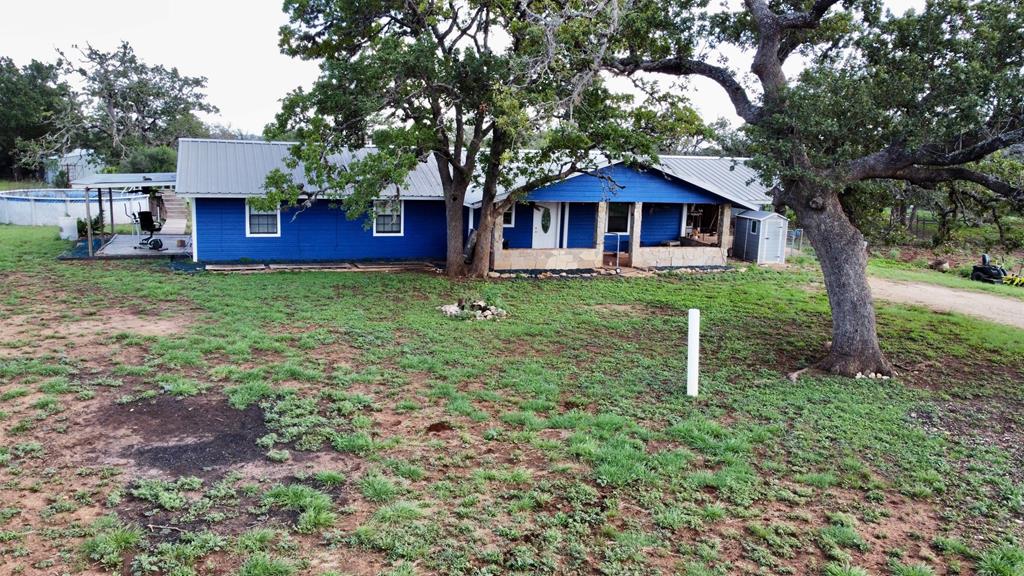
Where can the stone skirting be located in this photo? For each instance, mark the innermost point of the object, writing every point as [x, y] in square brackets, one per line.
[679, 256]
[547, 259]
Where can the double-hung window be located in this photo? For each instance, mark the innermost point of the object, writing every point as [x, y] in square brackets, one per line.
[262, 223]
[508, 218]
[388, 218]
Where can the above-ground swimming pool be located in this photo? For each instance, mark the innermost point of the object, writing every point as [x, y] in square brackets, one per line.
[45, 207]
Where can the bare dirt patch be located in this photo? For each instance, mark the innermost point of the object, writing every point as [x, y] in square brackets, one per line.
[83, 337]
[187, 437]
[630, 309]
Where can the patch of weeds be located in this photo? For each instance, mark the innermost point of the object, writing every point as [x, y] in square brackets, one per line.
[28, 450]
[406, 470]
[256, 540]
[178, 557]
[329, 478]
[839, 536]
[314, 507]
[111, 542]
[16, 392]
[400, 529]
[817, 479]
[844, 569]
[378, 488]
[264, 565]
[898, 569]
[359, 443]
[167, 495]
[1005, 560]
[244, 395]
[279, 456]
[292, 370]
[130, 370]
[180, 386]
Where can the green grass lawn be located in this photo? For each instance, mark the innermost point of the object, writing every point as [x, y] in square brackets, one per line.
[910, 272]
[337, 423]
[20, 184]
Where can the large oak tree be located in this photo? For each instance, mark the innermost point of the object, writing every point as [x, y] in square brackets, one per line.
[919, 97]
[504, 95]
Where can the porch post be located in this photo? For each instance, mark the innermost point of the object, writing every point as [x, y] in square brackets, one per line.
[724, 234]
[599, 230]
[497, 240]
[634, 235]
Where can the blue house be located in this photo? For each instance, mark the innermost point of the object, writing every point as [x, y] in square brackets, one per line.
[219, 175]
[678, 213]
[675, 214]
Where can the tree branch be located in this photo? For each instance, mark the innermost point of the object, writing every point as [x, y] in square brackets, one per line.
[896, 157]
[808, 19]
[745, 108]
[924, 176]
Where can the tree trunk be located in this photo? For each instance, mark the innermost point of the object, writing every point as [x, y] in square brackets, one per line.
[481, 263]
[841, 252]
[455, 265]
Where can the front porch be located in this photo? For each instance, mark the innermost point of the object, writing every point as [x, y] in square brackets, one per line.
[580, 235]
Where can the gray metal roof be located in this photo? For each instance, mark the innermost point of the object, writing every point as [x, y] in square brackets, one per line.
[140, 180]
[759, 215]
[240, 168]
[729, 178]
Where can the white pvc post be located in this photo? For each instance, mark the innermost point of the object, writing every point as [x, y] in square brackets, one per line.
[692, 352]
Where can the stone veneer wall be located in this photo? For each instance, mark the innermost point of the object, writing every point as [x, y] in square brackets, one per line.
[679, 256]
[546, 259]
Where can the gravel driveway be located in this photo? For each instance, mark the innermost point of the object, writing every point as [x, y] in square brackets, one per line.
[999, 309]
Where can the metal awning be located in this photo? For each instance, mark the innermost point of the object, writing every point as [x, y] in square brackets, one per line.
[126, 181]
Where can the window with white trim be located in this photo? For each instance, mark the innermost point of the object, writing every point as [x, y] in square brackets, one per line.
[753, 226]
[619, 216]
[508, 218]
[388, 217]
[265, 223]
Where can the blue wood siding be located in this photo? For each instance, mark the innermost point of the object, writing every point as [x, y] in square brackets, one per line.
[320, 233]
[581, 221]
[520, 235]
[660, 223]
[610, 239]
[637, 186]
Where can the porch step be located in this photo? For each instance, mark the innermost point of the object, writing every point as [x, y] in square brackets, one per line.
[175, 208]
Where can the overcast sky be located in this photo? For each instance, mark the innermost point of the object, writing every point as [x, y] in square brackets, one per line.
[231, 42]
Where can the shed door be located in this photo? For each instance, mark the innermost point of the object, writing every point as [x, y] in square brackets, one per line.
[780, 241]
[773, 241]
[769, 235]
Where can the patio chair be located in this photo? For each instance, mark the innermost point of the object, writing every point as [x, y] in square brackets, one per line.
[148, 224]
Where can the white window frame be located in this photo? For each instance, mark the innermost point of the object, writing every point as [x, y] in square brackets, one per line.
[755, 226]
[511, 209]
[401, 218]
[249, 233]
[629, 217]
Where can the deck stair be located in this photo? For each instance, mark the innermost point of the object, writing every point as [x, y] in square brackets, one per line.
[175, 214]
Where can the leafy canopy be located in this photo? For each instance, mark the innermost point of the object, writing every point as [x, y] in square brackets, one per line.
[502, 94]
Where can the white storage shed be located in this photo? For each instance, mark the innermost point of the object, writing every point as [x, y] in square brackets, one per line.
[760, 237]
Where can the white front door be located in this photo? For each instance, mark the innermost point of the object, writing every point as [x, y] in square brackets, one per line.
[545, 224]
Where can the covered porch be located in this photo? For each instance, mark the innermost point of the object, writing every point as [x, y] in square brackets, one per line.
[565, 235]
